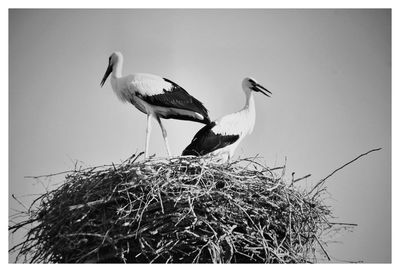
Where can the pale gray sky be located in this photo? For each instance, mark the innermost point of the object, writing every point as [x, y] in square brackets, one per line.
[329, 72]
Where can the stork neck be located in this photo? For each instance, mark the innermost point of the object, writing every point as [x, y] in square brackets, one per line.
[249, 101]
[250, 111]
[117, 70]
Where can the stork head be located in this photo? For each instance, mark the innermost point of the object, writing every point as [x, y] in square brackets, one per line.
[114, 60]
[250, 84]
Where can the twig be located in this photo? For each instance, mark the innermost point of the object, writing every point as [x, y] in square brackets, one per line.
[89, 204]
[341, 167]
[323, 249]
[343, 224]
[20, 203]
[298, 179]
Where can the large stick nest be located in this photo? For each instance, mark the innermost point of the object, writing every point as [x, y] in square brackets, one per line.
[179, 210]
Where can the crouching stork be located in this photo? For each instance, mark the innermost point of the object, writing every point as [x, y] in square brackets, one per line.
[221, 137]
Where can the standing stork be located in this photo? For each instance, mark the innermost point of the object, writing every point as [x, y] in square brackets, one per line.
[155, 96]
[221, 137]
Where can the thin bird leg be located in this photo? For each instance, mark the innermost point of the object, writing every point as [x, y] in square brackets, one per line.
[164, 133]
[148, 130]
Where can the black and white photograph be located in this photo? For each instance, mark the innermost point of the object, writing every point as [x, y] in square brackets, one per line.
[200, 135]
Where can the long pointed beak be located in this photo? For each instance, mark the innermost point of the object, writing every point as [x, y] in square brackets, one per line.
[108, 72]
[260, 88]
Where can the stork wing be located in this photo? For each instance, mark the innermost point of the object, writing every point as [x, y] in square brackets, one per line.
[206, 141]
[163, 92]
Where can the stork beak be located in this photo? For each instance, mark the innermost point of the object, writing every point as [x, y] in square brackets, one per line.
[108, 72]
[261, 89]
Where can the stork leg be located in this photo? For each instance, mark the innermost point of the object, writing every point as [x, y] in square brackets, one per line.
[148, 130]
[164, 134]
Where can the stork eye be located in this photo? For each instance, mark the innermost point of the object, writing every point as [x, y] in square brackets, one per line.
[252, 81]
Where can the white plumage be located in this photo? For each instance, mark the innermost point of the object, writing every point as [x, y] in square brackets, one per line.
[155, 96]
[221, 137]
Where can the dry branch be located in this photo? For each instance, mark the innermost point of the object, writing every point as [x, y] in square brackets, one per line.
[322, 181]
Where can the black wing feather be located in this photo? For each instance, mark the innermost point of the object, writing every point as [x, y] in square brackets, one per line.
[206, 141]
[178, 98]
